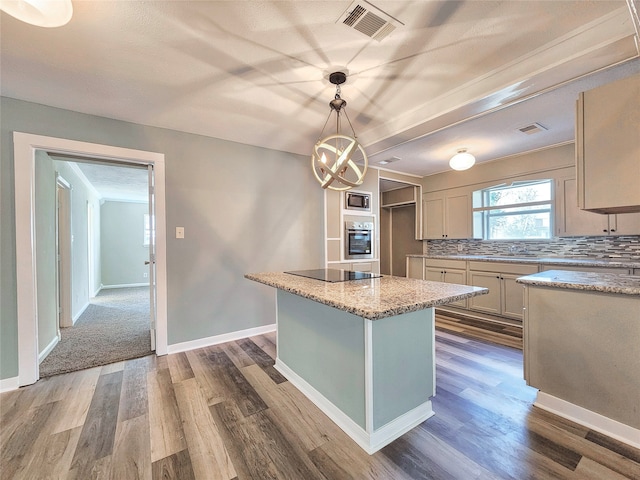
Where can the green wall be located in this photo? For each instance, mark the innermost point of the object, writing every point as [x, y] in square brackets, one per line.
[244, 209]
[121, 239]
[81, 195]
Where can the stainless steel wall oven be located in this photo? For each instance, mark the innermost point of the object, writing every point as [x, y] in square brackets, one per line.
[358, 242]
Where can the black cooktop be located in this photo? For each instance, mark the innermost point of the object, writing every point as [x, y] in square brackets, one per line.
[333, 275]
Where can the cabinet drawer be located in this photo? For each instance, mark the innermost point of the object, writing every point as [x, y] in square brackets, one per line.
[514, 268]
[438, 263]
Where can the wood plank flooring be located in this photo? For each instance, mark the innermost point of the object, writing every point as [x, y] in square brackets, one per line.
[224, 412]
[463, 325]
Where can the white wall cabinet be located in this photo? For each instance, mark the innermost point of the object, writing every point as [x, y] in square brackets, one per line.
[446, 216]
[505, 297]
[572, 221]
[608, 147]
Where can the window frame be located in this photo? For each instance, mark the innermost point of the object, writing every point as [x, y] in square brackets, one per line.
[483, 211]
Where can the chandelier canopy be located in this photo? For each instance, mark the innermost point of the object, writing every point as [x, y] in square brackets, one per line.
[335, 157]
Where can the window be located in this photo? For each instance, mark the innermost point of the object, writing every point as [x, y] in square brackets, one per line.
[148, 230]
[522, 210]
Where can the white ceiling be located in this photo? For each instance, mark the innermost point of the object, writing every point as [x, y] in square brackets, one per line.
[456, 74]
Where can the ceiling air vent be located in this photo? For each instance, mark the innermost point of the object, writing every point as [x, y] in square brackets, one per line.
[369, 20]
[533, 128]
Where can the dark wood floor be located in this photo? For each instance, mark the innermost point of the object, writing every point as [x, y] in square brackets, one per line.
[225, 412]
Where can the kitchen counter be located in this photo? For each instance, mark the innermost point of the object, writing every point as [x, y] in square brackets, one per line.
[596, 282]
[372, 299]
[363, 351]
[568, 261]
[581, 333]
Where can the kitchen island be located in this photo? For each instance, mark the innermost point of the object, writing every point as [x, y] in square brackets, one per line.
[582, 348]
[362, 350]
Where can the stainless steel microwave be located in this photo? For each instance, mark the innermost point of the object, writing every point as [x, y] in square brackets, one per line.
[357, 201]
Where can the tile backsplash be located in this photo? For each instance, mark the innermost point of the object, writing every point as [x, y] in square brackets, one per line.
[627, 247]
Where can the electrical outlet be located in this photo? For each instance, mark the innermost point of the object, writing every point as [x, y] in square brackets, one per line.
[460, 247]
[179, 232]
[145, 274]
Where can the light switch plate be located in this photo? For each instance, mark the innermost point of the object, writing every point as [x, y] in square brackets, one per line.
[179, 232]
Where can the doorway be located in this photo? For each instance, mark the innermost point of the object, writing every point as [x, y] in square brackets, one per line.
[25, 147]
[400, 225]
[113, 321]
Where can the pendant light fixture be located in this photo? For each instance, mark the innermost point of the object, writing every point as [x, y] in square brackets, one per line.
[41, 13]
[462, 160]
[334, 157]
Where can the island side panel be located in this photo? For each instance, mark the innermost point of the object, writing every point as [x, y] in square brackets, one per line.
[324, 346]
[403, 357]
[583, 347]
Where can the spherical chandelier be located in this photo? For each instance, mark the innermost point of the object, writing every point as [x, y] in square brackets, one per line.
[334, 157]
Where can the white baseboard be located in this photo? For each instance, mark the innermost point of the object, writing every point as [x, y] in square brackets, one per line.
[217, 339]
[589, 419]
[47, 350]
[77, 315]
[95, 294]
[8, 384]
[372, 442]
[124, 285]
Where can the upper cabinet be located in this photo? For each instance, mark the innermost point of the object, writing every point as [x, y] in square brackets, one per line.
[446, 215]
[608, 147]
[571, 221]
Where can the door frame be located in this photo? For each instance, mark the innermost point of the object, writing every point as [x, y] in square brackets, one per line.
[63, 252]
[25, 146]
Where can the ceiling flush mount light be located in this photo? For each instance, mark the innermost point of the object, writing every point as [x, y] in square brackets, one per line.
[42, 13]
[334, 157]
[462, 160]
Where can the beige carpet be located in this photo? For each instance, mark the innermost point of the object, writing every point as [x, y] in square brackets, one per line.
[114, 327]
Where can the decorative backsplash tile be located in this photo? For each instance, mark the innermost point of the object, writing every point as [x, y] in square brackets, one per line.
[627, 247]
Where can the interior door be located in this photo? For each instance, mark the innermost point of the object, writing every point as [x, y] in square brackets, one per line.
[152, 259]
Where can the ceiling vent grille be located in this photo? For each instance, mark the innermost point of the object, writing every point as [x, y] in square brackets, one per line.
[369, 20]
[533, 128]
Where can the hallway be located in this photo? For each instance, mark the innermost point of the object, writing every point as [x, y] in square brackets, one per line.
[114, 327]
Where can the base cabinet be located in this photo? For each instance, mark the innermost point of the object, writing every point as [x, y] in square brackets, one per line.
[448, 276]
[581, 348]
[505, 297]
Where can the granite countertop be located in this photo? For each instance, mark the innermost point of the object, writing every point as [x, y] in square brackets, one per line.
[568, 261]
[596, 282]
[373, 299]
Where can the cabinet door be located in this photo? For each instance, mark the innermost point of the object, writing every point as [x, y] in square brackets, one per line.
[458, 217]
[572, 221]
[433, 223]
[608, 146]
[459, 277]
[489, 303]
[512, 296]
[433, 274]
[625, 224]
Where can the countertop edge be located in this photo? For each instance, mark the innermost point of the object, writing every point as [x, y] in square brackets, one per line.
[560, 279]
[368, 314]
[568, 261]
